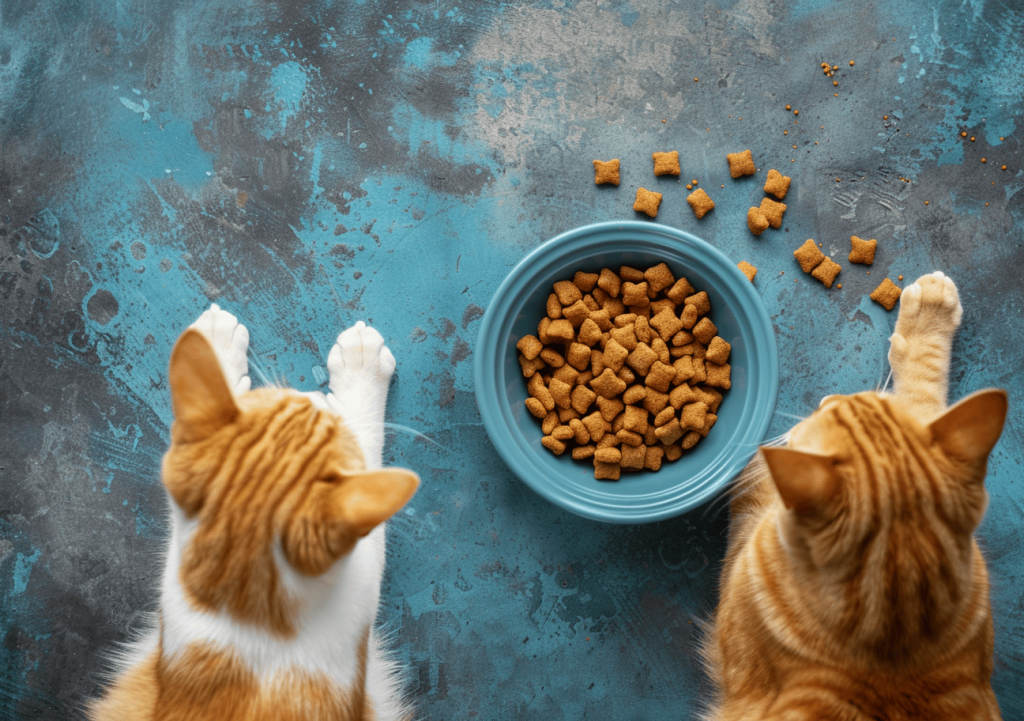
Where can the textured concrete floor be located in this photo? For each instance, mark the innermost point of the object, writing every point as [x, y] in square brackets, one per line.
[310, 164]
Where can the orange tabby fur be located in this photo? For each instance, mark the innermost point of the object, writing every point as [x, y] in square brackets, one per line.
[264, 474]
[853, 589]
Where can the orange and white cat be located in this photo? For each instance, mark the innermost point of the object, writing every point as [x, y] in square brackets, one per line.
[853, 589]
[273, 570]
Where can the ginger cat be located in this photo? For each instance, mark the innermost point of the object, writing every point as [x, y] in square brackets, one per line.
[274, 565]
[853, 589]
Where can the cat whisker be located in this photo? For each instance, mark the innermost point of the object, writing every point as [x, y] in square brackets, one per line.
[413, 432]
[790, 415]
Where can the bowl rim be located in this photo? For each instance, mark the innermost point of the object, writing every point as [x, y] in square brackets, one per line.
[494, 406]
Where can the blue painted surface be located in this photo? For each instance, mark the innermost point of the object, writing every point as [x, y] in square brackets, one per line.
[307, 165]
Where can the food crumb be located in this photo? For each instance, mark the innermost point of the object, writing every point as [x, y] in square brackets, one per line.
[964, 135]
[986, 204]
[926, 202]
[835, 82]
[689, 187]
[788, 107]
[663, 120]
[972, 138]
[796, 112]
[983, 160]
[899, 277]
[695, 80]
[851, 63]
[694, 181]
[1003, 168]
[835, 95]
[839, 285]
[785, 132]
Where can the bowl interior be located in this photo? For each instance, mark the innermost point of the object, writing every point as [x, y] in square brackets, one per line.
[742, 418]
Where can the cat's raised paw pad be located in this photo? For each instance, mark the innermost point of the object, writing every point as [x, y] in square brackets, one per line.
[360, 351]
[230, 341]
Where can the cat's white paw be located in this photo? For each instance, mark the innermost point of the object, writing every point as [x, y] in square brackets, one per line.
[929, 307]
[359, 357]
[230, 341]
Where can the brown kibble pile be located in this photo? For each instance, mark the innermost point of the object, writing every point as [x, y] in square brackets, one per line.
[886, 294]
[627, 372]
[606, 172]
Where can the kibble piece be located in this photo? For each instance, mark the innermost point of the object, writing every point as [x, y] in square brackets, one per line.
[606, 172]
[615, 307]
[596, 425]
[700, 202]
[629, 438]
[608, 455]
[682, 338]
[624, 320]
[827, 271]
[704, 331]
[642, 330]
[626, 375]
[606, 471]
[610, 407]
[700, 301]
[553, 444]
[660, 377]
[777, 184]
[588, 300]
[578, 356]
[608, 385]
[585, 281]
[808, 256]
[642, 358]
[718, 375]
[647, 202]
[665, 416]
[614, 356]
[756, 221]
[530, 366]
[710, 396]
[652, 457]
[747, 269]
[633, 275]
[562, 433]
[554, 308]
[650, 437]
[560, 331]
[708, 423]
[582, 398]
[655, 401]
[635, 419]
[579, 431]
[692, 417]
[659, 277]
[863, 251]
[633, 457]
[700, 373]
[694, 349]
[602, 319]
[772, 211]
[679, 291]
[585, 377]
[536, 388]
[659, 305]
[634, 394]
[718, 350]
[625, 337]
[589, 333]
[529, 346]
[536, 407]
[635, 294]
[670, 432]
[566, 374]
[666, 163]
[609, 283]
[542, 330]
[690, 440]
[681, 395]
[550, 423]
[642, 311]
[684, 369]
[576, 313]
[609, 440]
[689, 316]
[886, 294]
[561, 392]
[596, 361]
[567, 292]
[667, 324]
[741, 164]
[672, 451]
[581, 452]
[552, 357]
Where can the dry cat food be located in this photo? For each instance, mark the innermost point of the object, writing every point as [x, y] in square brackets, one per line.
[741, 164]
[886, 294]
[647, 201]
[606, 172]
[863, 251]
[626, 370]
[701, 202]
[666, 163]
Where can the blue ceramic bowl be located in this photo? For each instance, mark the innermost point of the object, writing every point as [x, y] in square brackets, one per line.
[743, 417]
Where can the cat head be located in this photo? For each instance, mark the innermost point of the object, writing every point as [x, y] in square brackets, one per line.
[264, 475]
[884, 504]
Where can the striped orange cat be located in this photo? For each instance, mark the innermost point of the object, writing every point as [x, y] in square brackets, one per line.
[853, 589]
[273, 569]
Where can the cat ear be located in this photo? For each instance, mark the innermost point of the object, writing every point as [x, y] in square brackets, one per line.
[366, 499]
[806, 481]
[200, 397]
[970, 429]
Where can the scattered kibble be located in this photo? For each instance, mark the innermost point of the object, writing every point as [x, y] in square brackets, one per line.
[885, 117]
[695, 80]
[886, 294]
[851, 63]
[839, 285]
[689, 187]
[606, 172]
[796, 112]
[986, 205]
[835, 82]
[694, 181]
[835, 95]
[983, 160]
[663, 120]
[963, 135]
[899, 277]
[788, 107]
[926, 202]
[972, 138]
[785, 132]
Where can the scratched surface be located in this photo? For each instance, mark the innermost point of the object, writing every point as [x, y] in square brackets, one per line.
[310, 164]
